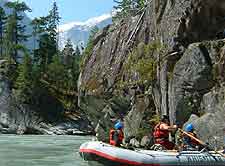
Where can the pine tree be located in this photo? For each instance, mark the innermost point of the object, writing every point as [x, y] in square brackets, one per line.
[77, 52]
[39, 26]
[75, 70]
[9, 37]
[53, 22]
[47, 28]
[2, 24]
[139, 4]
[39, 29]
[123, 8]
[15, 30]
[67, 53]
[45, 52]
[56, 72]
[126, 8]
[23, 82]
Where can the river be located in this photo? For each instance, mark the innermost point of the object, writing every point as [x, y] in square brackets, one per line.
[28, 150]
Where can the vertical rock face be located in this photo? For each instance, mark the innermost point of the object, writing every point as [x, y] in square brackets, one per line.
[191, 21]
[210, 126]
[182, 24]
[14, 119]
[111, 47]
[185, 73]
[138, 118]
[102, 72]
[4, 101]
[105, 124]
[192, 77]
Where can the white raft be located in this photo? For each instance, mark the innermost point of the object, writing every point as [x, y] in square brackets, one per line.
[98, 153]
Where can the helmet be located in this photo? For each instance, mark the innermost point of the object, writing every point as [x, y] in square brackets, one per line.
[189, 127]
[118, 125]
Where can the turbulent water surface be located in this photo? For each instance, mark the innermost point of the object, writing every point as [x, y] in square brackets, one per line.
[40, 150]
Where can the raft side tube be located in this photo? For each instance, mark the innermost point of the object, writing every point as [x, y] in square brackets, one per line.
[108, 155]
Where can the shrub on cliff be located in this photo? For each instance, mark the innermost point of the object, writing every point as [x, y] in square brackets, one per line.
[126, 8]
[89, 48]
[141, 65]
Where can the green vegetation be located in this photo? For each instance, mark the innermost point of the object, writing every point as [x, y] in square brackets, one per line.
[88, 50]
[142, 63]
[12, 35]
[92, 84]
[2, 24]
[45, 74]
[154, 120]
[127, 8]
[14, 29]
[23, 83]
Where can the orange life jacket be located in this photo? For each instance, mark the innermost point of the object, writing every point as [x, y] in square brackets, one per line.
[116, 137]
[159, 133]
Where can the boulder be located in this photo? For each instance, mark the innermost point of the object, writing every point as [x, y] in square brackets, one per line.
[93, 107]
[103, 113]
[213, 101]
[103, 127]
[210, 126]
[134, 143]
[147, 142]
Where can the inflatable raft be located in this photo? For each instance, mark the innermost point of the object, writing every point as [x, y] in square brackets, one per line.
[98, 153]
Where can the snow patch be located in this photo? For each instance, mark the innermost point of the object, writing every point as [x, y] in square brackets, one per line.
[87, 24]
[78, 32]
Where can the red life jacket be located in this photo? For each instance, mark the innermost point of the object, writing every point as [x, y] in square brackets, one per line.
[116, 137]
[121, 136]
[111, 139]
[159, 133]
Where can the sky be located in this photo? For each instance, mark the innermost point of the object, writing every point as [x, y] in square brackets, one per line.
[71, 10]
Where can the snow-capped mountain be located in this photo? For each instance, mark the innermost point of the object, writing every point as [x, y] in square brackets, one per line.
[78, 32]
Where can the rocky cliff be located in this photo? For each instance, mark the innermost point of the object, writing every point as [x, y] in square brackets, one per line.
[167, 60]
[18, 118]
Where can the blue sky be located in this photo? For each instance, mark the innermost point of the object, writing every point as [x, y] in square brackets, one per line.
[71, 10]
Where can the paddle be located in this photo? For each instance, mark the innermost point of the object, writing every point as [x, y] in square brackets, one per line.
[200, 142]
